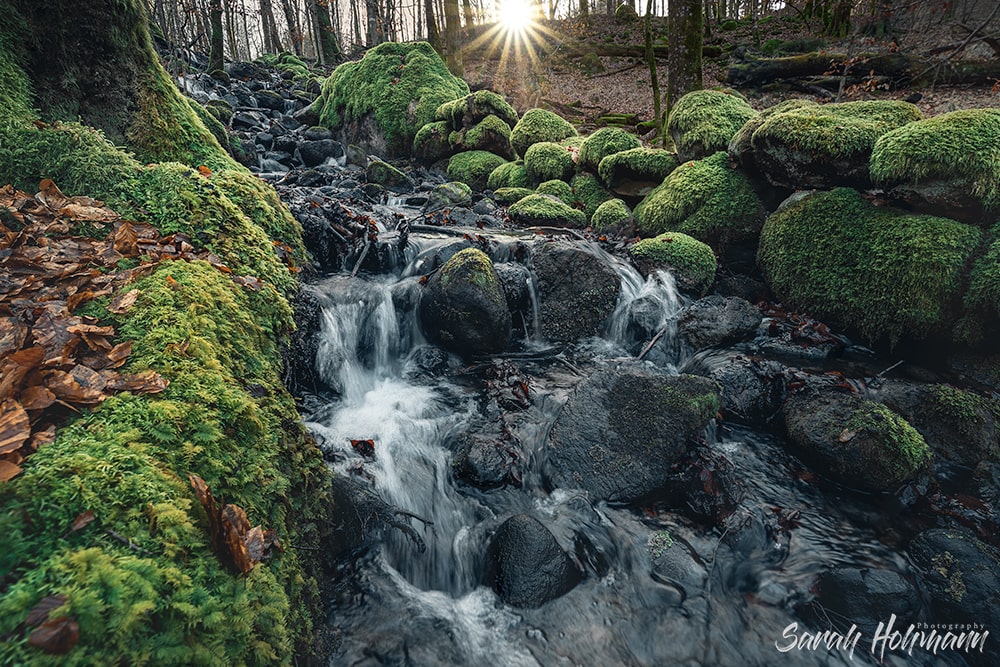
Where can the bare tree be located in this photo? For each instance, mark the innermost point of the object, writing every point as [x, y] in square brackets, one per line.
[684, 53]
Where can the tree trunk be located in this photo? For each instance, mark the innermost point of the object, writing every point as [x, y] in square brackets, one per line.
[651, 63]
[584, 6]
[326, 41]
[216, 61]
[452, 37]
[433, 36]
[372, 14]
[272, 40]
[294, 29]
[684, 59]
[470, 16]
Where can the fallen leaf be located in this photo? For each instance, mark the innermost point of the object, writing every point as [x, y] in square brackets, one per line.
[56, 636]
[8, 470]
[13, 333]
[118, 354]
[146, 382]
[364, 447]
[235, 525]
[15, 427]
[37, 397]
[125, 239]
[83, 520]
[121, 303]
[847, 435]
[204, 171]
[40, 612]
[50, 196]
[43, 437]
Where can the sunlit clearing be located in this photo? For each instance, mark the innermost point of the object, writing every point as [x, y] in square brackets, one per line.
[516, 15]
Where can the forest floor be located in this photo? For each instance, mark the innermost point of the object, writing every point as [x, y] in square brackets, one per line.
[559, 80]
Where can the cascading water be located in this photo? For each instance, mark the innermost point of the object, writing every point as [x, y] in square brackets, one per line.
[725, 601]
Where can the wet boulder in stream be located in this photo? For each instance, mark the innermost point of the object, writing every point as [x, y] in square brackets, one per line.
[577, 291]
[621, 431]
[525, 564]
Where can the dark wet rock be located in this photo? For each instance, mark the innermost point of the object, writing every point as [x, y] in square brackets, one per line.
[717, 320]
[300, 356]
[620, 431]
[447, 195]
[675, 562]
[314, 153]
[858, 442]
[281, 157]
[867, 597]
[269, 99]
[645, 317]
[525, 564]
[426, 361]
[317, 133]
[357, 156]
[388, 176]
[961, 574]
[485, 462]
[463, 307]
[577, 291]
[265, 140]
[752, 388]
[241, 70]
[249, 120]
[284, 142]
[514, 279]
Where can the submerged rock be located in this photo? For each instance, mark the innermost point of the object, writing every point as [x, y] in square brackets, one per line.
[868, 596]
[526, 566]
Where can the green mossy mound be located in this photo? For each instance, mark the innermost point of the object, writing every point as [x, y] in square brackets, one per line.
[388, 176]
[874, 269]
[691, 261]
[398, 86]
[556, 188]
[447, 195]
[432, 142]
[706, 199]
[822, 145]
[490, 134]
[961, 147]
[612, 215]
[545, 210]
[604, 142]
[703, 122]
[539, 125]
[546, 161]
[507, 196]
[473, 168]
[588, 193]
[981, 322]
[474, 107]
[740, 146]
[509, 175]
[637, 164]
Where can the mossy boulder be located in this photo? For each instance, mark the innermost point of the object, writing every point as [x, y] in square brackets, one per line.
[539, 125]
[877, 270]
[463, 307]
[473, 168]
[625, 13]
[708, 200]
[691, 261]
[588, 193]
[620, 432]
[604, 142]
[508, 196]
[704, 121]
[556, 188]
[947, 165]
[388, 176]
[509, 175]
[490, 134]
[468, 111]
[612, 216]
[447, 195]
[431, 142]
[636, 168]
[545, 161]
[740, 146]
[380, 101]
[545, 210]
[577, 290]
[855, 441]
[982, 300]
[823, 146]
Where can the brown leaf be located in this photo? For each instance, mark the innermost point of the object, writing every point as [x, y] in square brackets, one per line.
[204, 496]
[8, 470]
[44, 437]
[56, 636]
[146, 382]
[121, 303]
[50, 196]
[81, 385]
[125, 239]
[204, 171]
[118, 354]
[252, 283]
[16, 366]
[15, 427]
[40, 612]
[235, 526]
[83, 520]
[88, 212]
[13, 333]
[37, 397]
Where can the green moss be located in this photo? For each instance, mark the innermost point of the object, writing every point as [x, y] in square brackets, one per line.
[507, 196]
[612, 214]
[387, 175]
[625, 13]
[400, 85]
[901, 450]
[489, 134]
[15, 89]
[509, 175]
[875, 269]
[538, 209]
[962, 145]
[702, 122]
[588, 193]
[539, 125]
[556, 188]
[473, 168]
[590, 63]
[982, 300]
[431, 143]
[474, 107]
[546, 161]
[706, 199]
[691, 260]
[449, 194]
[639, 164]
[606, 141]
[475, 266]
[740, 144]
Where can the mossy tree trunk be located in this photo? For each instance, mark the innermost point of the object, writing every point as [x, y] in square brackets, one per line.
[215, 57]
[684, 59]
[453, 37]
[326, 41]
[433, 36]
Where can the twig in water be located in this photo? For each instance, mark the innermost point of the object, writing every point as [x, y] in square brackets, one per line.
[650, 344]
[361, 259]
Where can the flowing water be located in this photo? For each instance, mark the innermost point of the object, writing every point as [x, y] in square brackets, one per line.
[725, 594]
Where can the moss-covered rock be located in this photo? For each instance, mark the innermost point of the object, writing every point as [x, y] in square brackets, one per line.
[431, 142]
[822, 146]
[949, 164]
[467, 111]
[588, 193]
[604, 142]
[612, 215]
[691, 261]
[878, 270]
[384, 98]
[509, 175]
[490, 134]
[703, 122]
[646, 165]
[740, 146]
[706, 199]
[546, 161]
[625, 13]
[545, 210]
[556, 188]
[388, 176]
[507, 196]
[473, 168]
[982, 300]
[855, 441]
[447, 195]
[539, 125]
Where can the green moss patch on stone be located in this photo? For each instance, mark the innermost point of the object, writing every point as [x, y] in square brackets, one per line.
[473, 168]
[545, 161]
[639, 164]
[904, 449]
[509, 175]
[539, 125]
[588, 193]
[536, 209]
[604, 142]
[400, 85]
[611, 215]
[702, 122]
[706, 199]
[556, 188]
[489, 134]
[740, 145]
[692, 261]
[431, 142]
[507, 196]
[388, 176]
[875, 269]
[474, 107]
